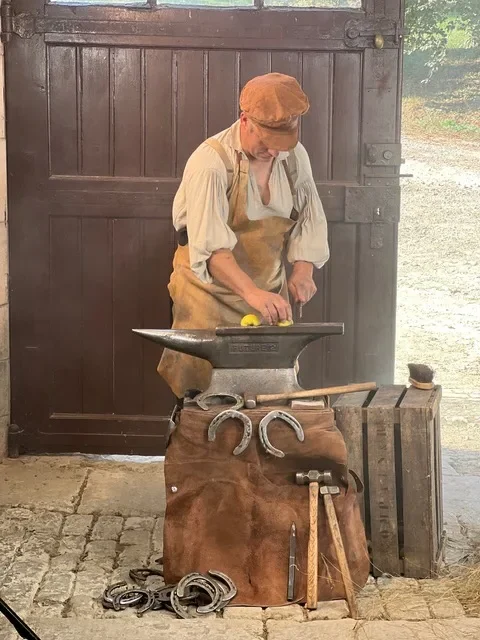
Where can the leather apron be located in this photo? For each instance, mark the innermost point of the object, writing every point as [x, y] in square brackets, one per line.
[200, 305]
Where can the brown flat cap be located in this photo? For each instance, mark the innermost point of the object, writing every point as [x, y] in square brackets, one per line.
[274, 102]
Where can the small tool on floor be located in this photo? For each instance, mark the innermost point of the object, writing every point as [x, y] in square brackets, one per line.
[421, 376]
[21, 627]
[292, 562]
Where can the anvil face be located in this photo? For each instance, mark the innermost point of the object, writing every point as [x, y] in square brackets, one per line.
[247, 359]
[262, 347]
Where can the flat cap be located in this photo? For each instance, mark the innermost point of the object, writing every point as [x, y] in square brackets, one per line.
[274, 102]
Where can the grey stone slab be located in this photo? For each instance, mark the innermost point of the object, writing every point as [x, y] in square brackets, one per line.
[460, 497]
[157, 536]
[77, 525]
[107, 528]
[243, 613]
[144, 524]
[289, 612]
[319, 629]
[334, 610]
[24, 578]
[406, 606]
[40, 486]
[371, 608]
[459, 629]
[162, 628]
[122, 492]
[465, 463]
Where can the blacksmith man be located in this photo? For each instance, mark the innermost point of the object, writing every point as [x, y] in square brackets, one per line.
[247, 194]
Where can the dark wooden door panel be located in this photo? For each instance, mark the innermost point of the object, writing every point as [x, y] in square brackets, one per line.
[104, 107]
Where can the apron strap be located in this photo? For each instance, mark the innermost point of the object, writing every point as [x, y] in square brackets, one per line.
[291, 171]
[220, 149]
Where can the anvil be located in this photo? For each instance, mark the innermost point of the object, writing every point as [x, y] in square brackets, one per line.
[247, 359]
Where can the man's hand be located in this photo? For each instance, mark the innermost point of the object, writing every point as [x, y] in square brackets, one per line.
[300, 284]
[271, 306]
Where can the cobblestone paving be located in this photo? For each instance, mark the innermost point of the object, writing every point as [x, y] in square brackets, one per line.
[55, 563]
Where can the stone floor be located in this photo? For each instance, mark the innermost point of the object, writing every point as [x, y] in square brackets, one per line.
[71, 526]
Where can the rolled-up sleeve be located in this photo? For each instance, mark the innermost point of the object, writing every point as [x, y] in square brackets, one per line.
[309, 237]
[207, 215]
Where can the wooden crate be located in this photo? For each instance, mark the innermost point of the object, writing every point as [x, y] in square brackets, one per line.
[393, 442]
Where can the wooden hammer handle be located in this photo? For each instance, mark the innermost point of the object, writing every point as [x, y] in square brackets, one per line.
[312, 561]
[312, 393]
[340, 553]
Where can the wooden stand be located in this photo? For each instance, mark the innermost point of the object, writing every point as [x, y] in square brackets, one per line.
[393, 443]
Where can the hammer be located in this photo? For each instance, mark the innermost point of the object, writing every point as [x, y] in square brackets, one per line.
[313, 478]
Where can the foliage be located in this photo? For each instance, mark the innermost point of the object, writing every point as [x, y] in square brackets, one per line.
[431, 25]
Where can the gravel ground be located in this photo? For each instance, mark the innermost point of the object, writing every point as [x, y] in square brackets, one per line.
[438, 314]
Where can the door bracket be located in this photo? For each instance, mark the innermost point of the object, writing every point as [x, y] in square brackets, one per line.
[370, 33]
[21, 24]
[372, 204]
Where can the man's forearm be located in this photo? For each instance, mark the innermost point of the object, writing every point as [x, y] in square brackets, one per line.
[224, 268]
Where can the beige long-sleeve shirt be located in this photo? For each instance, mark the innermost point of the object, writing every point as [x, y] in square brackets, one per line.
[201, 205]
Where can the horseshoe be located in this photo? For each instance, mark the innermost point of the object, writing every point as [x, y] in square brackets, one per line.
[226, 585]
[263, 426]
[247, 428]
[202, 399]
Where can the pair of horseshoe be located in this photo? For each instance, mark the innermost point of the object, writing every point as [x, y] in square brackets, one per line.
[262, 429]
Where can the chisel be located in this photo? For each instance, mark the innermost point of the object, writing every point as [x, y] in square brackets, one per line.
[292, 562]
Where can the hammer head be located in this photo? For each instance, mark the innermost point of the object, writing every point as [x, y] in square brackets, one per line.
[250, 400]
[304, 477]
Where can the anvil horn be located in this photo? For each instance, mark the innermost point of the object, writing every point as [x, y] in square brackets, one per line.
[195, 343]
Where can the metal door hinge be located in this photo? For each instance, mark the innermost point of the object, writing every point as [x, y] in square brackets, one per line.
[22, 24]
[378, 33]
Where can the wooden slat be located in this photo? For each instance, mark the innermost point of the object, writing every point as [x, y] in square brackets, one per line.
[190, 121]
[222, 106]
[340, 365]
[382, 480]
[158, 113]
[349, 420]
[419, 483]
[97, 315]
[62, 110]
[439, 477]
[155, 273]
[380, 71]
[127, 112]
[376, 301]
[95, 111]
[66, 314]
[346, 116]
[288, 62]
[128, 366]
[253, 63]
[316, 124]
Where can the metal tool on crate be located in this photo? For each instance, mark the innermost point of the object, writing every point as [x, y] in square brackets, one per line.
[246, 359]
[250, 401]
[314, 478]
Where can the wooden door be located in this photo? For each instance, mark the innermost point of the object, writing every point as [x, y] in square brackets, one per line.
[104, 106]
